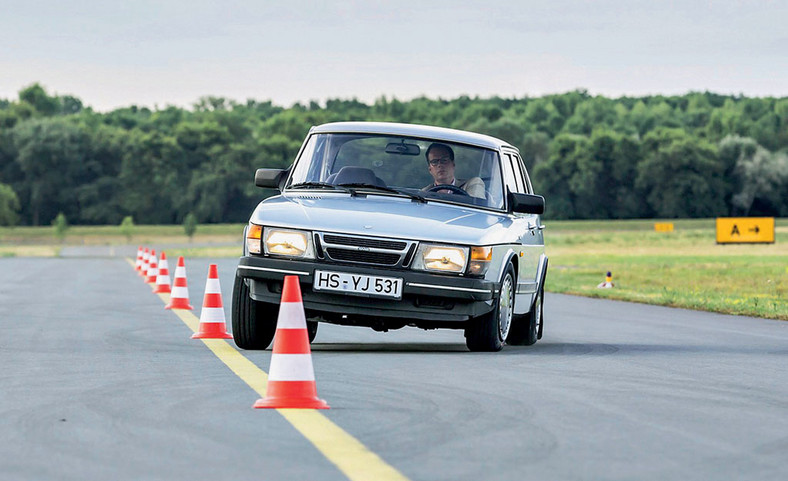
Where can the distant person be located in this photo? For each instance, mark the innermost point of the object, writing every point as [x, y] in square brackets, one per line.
[440, 161]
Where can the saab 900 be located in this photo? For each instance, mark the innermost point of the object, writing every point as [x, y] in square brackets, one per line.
[390, 225]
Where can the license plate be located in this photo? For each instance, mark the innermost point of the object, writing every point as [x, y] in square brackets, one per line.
[359, 284]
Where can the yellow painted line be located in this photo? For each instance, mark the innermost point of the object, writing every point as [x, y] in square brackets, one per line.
[347, 453]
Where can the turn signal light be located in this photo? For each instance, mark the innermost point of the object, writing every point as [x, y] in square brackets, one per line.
[480, 260]
[253, 235]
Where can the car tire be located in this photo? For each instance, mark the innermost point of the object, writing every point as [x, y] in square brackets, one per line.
[311, 329]
[526, 329]
[488, 333]
[254, 323]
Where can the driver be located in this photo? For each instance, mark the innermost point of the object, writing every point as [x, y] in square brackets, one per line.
[440, 159]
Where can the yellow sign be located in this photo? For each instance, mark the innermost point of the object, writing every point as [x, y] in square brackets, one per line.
[735, 230]
[663, 226]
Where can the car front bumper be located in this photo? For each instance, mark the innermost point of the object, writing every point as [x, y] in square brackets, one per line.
[425, 296]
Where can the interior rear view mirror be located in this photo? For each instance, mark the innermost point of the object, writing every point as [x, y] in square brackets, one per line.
[401, 148]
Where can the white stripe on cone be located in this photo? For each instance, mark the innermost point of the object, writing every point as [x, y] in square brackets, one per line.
[180, 271]
[291, 316]
[163, 278]
[153, 268]
[212, 286]
[291, 367]
[212, 314]
[180, 291]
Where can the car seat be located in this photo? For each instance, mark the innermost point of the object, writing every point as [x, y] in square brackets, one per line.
[355, 175]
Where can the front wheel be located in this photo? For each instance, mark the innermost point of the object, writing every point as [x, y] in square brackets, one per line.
[489, 332]
[311, 329]
[526, 329]
[254, 323]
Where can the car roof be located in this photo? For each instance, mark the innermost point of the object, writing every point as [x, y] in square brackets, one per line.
[413, 130]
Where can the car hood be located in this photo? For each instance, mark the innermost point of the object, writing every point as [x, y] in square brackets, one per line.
[385, 216]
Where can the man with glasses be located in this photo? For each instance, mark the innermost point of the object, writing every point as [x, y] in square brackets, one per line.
[440, 159]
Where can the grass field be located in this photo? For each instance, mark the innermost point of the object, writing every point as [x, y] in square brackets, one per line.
[683, 268]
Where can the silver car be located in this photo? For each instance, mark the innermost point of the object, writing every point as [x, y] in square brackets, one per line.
[379, 237]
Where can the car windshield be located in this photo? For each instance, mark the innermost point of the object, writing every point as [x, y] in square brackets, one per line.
[390, 165]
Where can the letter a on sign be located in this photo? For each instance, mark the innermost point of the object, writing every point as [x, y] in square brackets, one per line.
[735, 230]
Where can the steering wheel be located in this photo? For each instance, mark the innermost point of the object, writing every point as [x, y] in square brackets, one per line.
[453, 188]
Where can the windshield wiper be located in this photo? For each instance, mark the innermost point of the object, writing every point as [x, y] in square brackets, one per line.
[318, 185]
[385, 189]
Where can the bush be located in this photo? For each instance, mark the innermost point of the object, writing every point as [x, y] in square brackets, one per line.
[127, 227]
[190, 225]
[60, 224]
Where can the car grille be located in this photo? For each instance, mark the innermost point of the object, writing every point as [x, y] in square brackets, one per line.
[365, 242]
[364, 250]
[361, 256]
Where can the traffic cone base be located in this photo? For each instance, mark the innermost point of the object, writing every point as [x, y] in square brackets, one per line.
[291, 394]
[212, 330]
[179, 303]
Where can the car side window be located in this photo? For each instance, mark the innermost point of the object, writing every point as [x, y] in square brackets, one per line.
[511, 174]
[521, 174]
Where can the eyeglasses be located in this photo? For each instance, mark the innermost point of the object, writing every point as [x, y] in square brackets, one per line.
[442, 161]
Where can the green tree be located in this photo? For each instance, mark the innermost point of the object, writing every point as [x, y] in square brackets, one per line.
[9, 205]
[153, 178]
[99, 191]
[535, 149]
[680, 176]
[190, 225]
[127, 227]
[603, 183]
[158, 165]
[36, 96]
[559, 176]
[50, 154]
[591, 114]
[757, 175]
[60, 226]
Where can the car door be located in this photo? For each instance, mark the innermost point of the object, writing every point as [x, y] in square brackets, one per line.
[530, 247]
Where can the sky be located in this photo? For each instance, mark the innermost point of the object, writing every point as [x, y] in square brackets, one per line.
[156, 53]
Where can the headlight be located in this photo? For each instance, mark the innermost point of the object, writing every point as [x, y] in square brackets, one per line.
[439, 258]
[286, 242]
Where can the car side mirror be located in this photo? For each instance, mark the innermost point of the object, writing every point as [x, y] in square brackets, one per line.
[269, 178]
[526, 203]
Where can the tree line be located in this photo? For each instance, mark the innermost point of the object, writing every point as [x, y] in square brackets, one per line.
[695, 155]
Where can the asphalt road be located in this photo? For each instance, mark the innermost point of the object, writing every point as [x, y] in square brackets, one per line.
[99, 381]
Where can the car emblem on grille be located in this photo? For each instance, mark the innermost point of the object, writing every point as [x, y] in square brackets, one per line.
[362, 248]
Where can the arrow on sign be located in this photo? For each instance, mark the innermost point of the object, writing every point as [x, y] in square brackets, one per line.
[755, 229]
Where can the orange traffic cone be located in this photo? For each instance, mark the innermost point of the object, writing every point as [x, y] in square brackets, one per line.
[144, 264]
[163, 279]
[153, 268]
[291, 377]
[212, 323]
[138, 264]
[179, 298]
